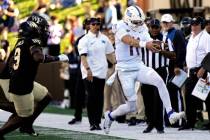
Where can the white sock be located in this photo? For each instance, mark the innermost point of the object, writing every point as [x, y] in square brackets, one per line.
[124, 109]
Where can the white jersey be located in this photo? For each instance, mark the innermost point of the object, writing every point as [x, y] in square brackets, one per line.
[197, 48]
[96, 49]
[128, 57]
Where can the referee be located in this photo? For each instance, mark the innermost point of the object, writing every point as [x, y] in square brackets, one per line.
[152, 101]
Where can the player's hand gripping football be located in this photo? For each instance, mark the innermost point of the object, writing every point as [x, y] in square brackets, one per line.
[154, 46]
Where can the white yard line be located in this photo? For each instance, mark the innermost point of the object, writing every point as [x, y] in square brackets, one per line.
[118, 130]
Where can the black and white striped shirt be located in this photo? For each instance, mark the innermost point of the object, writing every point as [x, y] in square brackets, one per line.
[154, 60]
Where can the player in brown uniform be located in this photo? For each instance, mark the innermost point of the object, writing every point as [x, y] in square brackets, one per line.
[29, 97]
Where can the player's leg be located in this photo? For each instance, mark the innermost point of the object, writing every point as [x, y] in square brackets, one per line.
[24, 107]
[127, 80]
[149, 76]
[5, 104]
[12, 123]
[41, 98]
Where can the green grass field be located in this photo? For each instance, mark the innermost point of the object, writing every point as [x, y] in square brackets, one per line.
[60, 134]
[58, 110]
[57, 134]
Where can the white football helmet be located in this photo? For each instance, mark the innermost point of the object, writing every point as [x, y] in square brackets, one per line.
[134, 17]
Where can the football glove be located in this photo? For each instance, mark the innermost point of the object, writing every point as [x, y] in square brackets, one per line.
[63, 57]
[111, 79]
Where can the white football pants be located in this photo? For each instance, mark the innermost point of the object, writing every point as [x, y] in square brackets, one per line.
[144, 75]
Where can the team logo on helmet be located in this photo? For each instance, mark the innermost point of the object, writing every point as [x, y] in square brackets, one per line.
[37, 41]
[129, 13]
[29, 29]
[36, 19]
[43, 25]
[32, 24]
[134, 17]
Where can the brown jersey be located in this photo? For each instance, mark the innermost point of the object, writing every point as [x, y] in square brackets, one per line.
[23, 66]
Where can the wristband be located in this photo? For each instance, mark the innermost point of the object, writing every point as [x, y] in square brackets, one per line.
[142, 43]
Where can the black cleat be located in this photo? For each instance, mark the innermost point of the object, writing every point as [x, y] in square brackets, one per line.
[98, 127]
[92, 127]
[148, 129]
[132, 121]
[74, 121]
[186, 127]
[29, 131]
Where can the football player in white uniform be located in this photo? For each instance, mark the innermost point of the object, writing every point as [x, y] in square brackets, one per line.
[130, 35]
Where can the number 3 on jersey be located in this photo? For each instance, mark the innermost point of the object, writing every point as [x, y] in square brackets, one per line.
[16, 58]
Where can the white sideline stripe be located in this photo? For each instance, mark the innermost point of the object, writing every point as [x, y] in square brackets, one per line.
[118, 130]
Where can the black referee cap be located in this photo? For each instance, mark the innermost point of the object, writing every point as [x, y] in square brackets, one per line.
[154, 22]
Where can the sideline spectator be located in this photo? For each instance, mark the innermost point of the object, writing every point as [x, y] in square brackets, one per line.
[64, 75]
[177, 44]
[74, 61]
[4, 44]
[94, 49]
[197, 48]
[185, 27]
[100, 12]
[8, 17]
[110, 14]
[42, 10]
[2, 54]
[68, 28]
[208, 25]
[77, 28]
[79, 87]
[55, 4]
[88, 10]
[147, 21]
[56, 33]
[118, 7]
